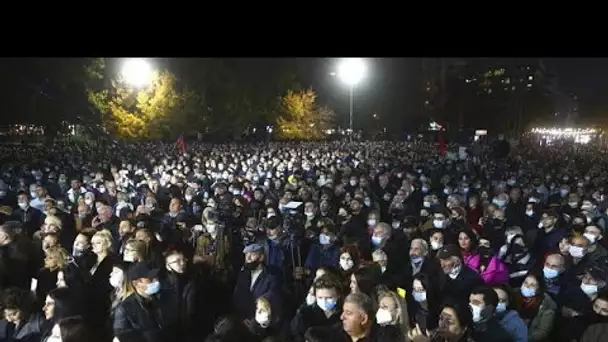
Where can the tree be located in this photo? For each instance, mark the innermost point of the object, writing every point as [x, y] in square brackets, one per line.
[299, 117]
[159, 111]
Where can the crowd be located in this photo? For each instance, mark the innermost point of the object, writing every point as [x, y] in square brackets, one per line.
[365, 241]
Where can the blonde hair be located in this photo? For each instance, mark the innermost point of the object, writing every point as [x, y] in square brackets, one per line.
[106, 236]
[62, 258]
[264, 304]
[53, 220]
[403, 319]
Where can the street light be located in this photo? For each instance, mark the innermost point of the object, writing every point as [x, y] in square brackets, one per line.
[137, 72]
[351, 71]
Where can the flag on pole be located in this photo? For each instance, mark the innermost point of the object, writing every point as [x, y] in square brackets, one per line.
[181, 144]
[442, 146]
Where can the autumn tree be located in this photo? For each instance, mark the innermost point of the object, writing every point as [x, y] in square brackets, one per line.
[160, 110]
[299, 116]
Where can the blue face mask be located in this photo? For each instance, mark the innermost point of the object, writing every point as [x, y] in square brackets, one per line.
[153, 288]
[527, 292]
[376, 240]
[550, 273]
[326, 304]
[324, 239]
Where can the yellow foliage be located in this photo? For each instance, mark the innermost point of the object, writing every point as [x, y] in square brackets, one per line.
[299, 117]
[142, 113]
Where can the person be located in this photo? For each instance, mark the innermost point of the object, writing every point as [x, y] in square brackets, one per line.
[486, 326]
[458, 280]
[254, 281]
[325, 311]
[424, 303]
[553, 269]
[71, 329]
[21, 322]
[265, 325]
[358, 318]
[509, 318]
[138, 316]
[536, 307]
[454, 325]
[392, 317]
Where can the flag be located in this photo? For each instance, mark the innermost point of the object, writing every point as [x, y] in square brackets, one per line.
[181, 144]
[442, 147]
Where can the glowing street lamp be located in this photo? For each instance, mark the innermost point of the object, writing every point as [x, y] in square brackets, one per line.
[137, 72]
[351, 71]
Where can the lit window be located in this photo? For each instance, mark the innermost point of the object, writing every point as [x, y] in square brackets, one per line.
[513, 88]
[508, 80]
[489, 90]
[530, 78]
[529, 85]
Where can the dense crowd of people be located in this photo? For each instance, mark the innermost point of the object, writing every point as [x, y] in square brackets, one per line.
[333, 241]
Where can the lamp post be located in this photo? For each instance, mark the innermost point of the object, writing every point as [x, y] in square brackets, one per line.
[137, 72]
[351, 71]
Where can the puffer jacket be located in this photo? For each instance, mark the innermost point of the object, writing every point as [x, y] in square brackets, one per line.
[515, 326]
[541, 326]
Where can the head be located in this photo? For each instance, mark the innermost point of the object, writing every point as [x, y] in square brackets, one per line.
[59, 303]
[144, 279]
[533, 285]
[382, 232]
[175, 262]
[70, 329]
[263, 311]
[55, 258]
[454, 321]
[327, 292]
[419, 248]
[554, 266]
[357, 314]
[101, 242]
[18, 305]
[390, 309]
[380, 257]
[363, 280]
[483, 301]
[126, 228]
[135, 251]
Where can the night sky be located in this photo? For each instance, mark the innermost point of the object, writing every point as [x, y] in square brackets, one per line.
[585, 77]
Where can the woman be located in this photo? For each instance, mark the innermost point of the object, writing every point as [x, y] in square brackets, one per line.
[55, 259]
[518, 260]
[135, 251]
[265, 325]
[100, 289]
[455, 324]
[535, 307]
[392, 317]
[510, 233]
[509, 318]
[424, 303]
[70, 329]
[436, 239]
[59, 304]
[349, 260]
[154, 247]
[213, 247]
[81, 249]
[21, 322]
[490, 268]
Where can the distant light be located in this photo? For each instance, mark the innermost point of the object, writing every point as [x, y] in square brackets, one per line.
[351, 70]
[137, 72]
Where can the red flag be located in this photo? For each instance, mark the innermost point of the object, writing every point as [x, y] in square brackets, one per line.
[181, 144]
[442, 147]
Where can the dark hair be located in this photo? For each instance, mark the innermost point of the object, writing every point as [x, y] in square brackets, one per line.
[489, 295]
[510, 295]
[540, 279]
[230, 329]
[433, 298]
[15, 298]
[365, 303]
[73, 329]
[366, 280]
[472, 237]
[462, 310]
[328, 281]
[65, 303]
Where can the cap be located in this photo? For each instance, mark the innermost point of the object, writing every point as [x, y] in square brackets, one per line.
[253, 248]
[142, 270]
[449, 251]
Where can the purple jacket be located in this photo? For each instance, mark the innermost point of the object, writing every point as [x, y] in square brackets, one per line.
[496, 272]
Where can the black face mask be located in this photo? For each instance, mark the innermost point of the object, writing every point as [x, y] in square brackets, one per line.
[578, 227]
[519, 251]
[485, 252]
[252, 265]
[597, 318]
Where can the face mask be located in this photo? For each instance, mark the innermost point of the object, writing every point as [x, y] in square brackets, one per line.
[309, 214]
[476, 311]
[425, 189]
[419, 296]
[501, 307]
[102, 190]
[188, 198]
[346, 264]
[589, 289]
[324, 239]
[210, 228]
[426, 204]
[576, 252]
[438, 224]
[563, 192]
[527, 292]
[454, 272]
[396, 225]
[529, 213]
[371, 223]
[383, 316]
[368, 203]
[376, 240]
[326, 304]
[436, 245]
[446, 191]
[353, 183]
[88, 201]
[499, 202]
[128, 258]
[550, 273]
[153, 288]
[310, 299]
[23, 206]
[77, 251]
[590, 237]
[263, 318]
[417, 259]
[116, 280]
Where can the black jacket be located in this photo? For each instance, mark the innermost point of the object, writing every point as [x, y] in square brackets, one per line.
[460, 288]
[137, 319]
[490, 331]
[310, 316]
[178, 301]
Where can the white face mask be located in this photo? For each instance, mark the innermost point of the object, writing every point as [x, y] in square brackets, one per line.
[116, 279]
[128, 258]
[383, 317]
[476, 311]
[589, 289]
[436, 245]
[590, 237]
[576, 251]
[371, 223]
[510, 238]
[501, 307]
[262, 317]
[438, 224]
[346, 264]
[210, 228]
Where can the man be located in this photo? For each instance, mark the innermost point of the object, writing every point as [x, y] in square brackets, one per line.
[486, 327]
[15, 253]
[254, 281]
[30, 217]
[358, 319]
[596, 250]
[421, 263]
[458, 280]
[549, 236]
[41, 196]
[139, 316]
[553, 271]
[578, 260]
